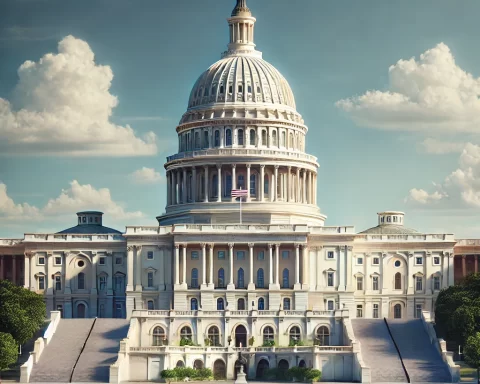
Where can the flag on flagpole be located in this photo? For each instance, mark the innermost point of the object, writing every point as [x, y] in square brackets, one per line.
[239, 192]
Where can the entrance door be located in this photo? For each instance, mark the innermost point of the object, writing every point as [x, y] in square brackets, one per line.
[240, 336]
[397, 311]
[262, 368]
[81, 311]
[219, 371]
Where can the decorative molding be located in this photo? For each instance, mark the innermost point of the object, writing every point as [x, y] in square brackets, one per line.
[130, 248]
[203, 245]
[251, 245]
[230, 245]
[349, 248]
[138, 248]
[296, 245]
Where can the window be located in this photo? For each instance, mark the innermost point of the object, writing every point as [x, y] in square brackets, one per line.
[41, 260]
[221, 255]
[215, 186]
[330, 279]
[330, 305]
[418, 283]
[436, 283]
[222, 89]
[359, 283]
[265, 185]
[397, 263]
[261, 304]
[241, 304]
[330, 255]
[150, 255]
[268, 336]
[214, 336]
[397, 311]
[322, 336]
[240, 137]
[221, 278]
[359, 311]
[150, 305]
[253, 186]
[186, 333]
[285, 279]
[241, 182]
[252, 137]
[359, 260]
[41, 282]
[418, 311]
[419, 260]
[101, 261]
[150, 279]
[158, 336]
[205, 139]
[228, 186]
[220, 304]
[283, 139]
[119, 311]
[119, 260]
[230, 88]
[260, 278]
[216, 138]
[81, 263]
[376, 261]
[285, 254]
[197, 136]
[274, 138]
[261, 255]
[228, 137]
[389, 219]
[375, 314]
[58, 260]
[240, 255]
[194, 280]
[119, 283]
[436, 260]
[241, 278]
[264, 137]
[294, 335]
[81, 281]
[375, 283]
[286, 304]
[194, 304]
[58, 283]
[194, 255]
[240, 88]
[398, 280]
[249, 88]
[102, 282]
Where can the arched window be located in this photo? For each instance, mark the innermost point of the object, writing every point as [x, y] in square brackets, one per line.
[240, 137]
[214, 336]
[286, 304]
[260, 278]
[216, 138]
[186, 333]
[158, 336]
[274, 138]
[241, 278]
[194, 304]
[265, 184]
[214, 186]
[253, 187]
[398, 280]
[228, 137]
[397, 311]
[81, 280]
[261, 304]
[295, 335]
[283, 139]
[252, 137]
[220, 304]
[264, 137]
[268, 336]
[285, 279]
[197, 140]
[241, 304]
[194, 281]
[205, 139]
[322, 336]
[180, 364]
[221, 278]
[290, 144]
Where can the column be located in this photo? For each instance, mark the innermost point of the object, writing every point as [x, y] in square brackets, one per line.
[320, 277]
[26, 272]
[177, 264]
[348, 262]
[184, 186]
[48, 271]
[464, 265]
[161, 263]
[250, 279]
[410, 279]
[68, 289]
[282, 186]
[184, 264]
[314, 189]
[304, 181]
[173, 192]
[298, 195]
[305, 264]
[206, 181]
[234, 179]
[194, 184]
[289, 184]
[341, 268]
[204, 264]
[445, 270]
[138, 268]
[270, 264]
[367, 283]
[262, 181]
[219, 183]
[297, 266]
[451, 280]
[169, 191]
[94, 273]
[309, 187]
[210, 265]
[14, 270]
[248, 182]
[274, 184]
[277, 265]
[230, 260]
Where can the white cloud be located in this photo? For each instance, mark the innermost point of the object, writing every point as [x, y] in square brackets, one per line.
[76, 198]
[146, 176]
[429, 94]
[439, 147]
[460, 189]
[62, 105]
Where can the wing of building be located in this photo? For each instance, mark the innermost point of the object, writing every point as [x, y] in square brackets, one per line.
[264, 277]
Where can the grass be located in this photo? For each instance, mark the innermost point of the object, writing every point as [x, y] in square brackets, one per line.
[467, 373]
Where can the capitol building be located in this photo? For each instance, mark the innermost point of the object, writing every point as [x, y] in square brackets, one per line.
[271, 281]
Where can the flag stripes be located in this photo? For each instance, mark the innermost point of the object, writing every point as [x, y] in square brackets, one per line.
[239, 192]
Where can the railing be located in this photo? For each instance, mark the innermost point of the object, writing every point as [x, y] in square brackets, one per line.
[243, 313]
[417, 237]
[206, 349]
[71, 237]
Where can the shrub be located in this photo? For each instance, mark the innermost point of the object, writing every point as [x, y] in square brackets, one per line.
[313, 375]
[181, 373]
[185, 342]
[251, 341]
[269, 343]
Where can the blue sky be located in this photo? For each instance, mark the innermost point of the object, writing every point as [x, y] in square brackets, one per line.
[388, 134]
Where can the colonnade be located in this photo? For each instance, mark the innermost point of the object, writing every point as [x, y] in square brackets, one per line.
[11, 267]
[473, 264]
[214, 183]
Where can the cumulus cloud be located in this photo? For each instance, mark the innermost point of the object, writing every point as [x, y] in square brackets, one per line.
[62, 105]
[76, 198]
[439, 147]
[429, 94]
[460, 189]
[146, 176]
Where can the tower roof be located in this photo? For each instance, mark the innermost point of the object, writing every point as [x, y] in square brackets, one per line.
[241, 9]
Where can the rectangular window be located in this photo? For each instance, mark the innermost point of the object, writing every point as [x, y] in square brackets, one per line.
[150, 280]
[118, 260]
[375, 283]
[150, 305]
[221, 255]
[330, 279]
[58, 260]
[376, 261]
[419, 283]
[150, 255]
[436, 260]
[419, 260]
[261, 255]
[194, 255]
[285, 254]
[101, 261]
[41, 260]
[359, 283]
[240, 255]
[375, 311]
[102, 283]
[58, 283]
[359, 310]
[119, 283]
[359, 260]
[41, 282]
[330, 305]
[436, 283]
[330, 255]
[418, 311]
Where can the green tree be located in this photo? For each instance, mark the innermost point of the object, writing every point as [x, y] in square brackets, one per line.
[22, 312]
[8, 351]
[472, 350]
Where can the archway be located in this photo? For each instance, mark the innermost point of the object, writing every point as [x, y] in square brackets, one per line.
[240, 336]
[81, 311]
[240, 363]
[262, 368]
[397, 311]
[180, 364]
[219, 371]
[282, 369]
[198, 364]
[302, 364]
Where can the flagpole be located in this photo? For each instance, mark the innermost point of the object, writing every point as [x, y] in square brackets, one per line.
[240, 209]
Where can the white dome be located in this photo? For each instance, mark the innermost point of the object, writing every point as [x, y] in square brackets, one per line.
[242, 78]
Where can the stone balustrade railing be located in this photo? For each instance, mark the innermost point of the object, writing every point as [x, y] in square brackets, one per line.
[283, 350]
[246, 313]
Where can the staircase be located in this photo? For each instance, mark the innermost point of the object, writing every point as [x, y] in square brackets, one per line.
[378, 351]
[59, 357]
[421, 359]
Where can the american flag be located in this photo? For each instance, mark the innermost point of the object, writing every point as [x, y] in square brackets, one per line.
[239, 192]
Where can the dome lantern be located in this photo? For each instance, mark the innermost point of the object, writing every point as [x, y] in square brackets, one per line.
[241, 25]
